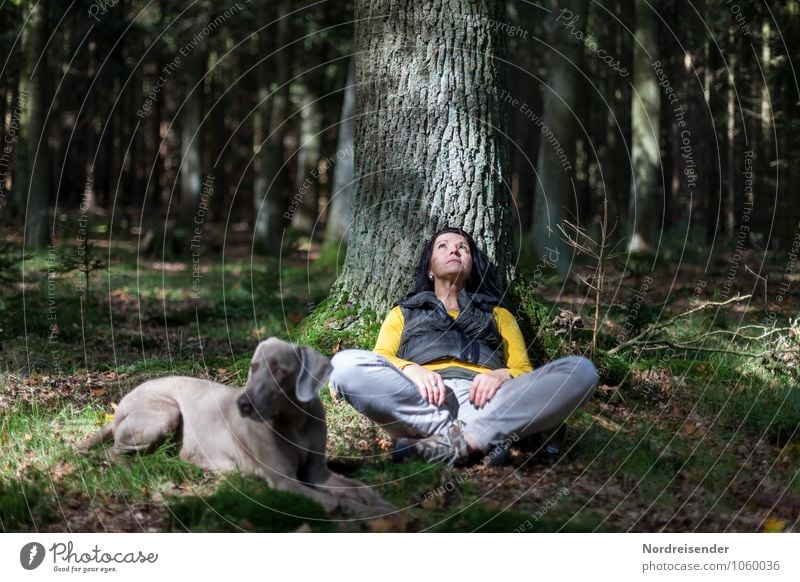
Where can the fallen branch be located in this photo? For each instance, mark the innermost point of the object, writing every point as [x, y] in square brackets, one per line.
[735, 334]
[667, 322]
[663, 344]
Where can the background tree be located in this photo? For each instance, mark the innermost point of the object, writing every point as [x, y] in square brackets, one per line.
[340, 209]
[555, 188]
[646, 103]
[270, 188]
[33, 161]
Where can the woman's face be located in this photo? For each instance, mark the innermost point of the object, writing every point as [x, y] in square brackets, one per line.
[451, 259]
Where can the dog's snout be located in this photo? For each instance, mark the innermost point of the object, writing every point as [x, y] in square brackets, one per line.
[245, 406]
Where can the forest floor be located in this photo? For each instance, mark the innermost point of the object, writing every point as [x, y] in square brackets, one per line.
[700, 440]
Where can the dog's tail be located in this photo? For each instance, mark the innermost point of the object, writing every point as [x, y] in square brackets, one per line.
[101, 436]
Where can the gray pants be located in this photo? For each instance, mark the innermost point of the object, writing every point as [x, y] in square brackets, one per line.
[531, 403]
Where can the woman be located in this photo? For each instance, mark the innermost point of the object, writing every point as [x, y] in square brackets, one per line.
[450, 375]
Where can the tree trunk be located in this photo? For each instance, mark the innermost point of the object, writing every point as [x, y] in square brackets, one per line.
[270, 183]
[340, 207]
[646, 105]
[33, 126]
[89, 192]
[711, 141]
[6, 150]
[556, 159]
[430, 150]
[192, 149]
[732, 114]
[764, 152]
[217, 162]
[306, 183]
[523, 84]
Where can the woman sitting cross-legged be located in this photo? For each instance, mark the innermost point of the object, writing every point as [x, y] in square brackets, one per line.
[450, 375]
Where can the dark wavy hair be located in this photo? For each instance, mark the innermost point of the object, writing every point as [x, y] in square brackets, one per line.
[483, 279]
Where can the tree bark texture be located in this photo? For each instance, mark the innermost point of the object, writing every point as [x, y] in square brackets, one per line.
[430, 145]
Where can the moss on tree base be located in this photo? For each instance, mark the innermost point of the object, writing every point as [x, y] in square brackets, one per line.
[338, 325]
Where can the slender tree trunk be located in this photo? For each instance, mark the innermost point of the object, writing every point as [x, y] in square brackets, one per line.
[622, 100]
[732, 171]
[429, 141]
[340, 206]
[616, 147]
[523, 52]
[306, 183]
[764, 153]
[270, 208]
[89, 192]
[556, 159]
[192, 147]
[218, 137]
[6, 155]
[3, 105]
[150, 126]
[712, 154]
[646, 104]
[33, 126]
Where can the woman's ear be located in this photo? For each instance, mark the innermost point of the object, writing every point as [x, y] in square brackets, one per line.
[313, 375]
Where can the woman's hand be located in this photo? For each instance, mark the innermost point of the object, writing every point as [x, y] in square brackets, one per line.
[486, 385]
[429, 384]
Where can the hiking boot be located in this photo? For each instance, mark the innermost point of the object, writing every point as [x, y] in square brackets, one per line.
[547, 444]
[498, 456]
[556, 442]
[449, 446]
[531, 443]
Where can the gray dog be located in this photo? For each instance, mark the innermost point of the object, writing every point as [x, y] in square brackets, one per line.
[274, 428]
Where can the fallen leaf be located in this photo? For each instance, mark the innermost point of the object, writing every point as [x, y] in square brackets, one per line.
[396, 523]
[606, 424]
[774, 525]
[434, 503]
[61, 470]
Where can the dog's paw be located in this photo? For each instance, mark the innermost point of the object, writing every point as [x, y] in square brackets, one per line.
[393, 523]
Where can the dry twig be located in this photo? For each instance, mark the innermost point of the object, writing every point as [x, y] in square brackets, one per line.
[637, 340]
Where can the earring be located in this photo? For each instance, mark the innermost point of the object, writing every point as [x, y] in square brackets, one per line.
[430, 276]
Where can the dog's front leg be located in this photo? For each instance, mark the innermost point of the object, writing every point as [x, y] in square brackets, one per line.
[329, 502]
[360, 498]
[356, 491]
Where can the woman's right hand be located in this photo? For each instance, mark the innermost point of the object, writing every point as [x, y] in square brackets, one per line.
[429, 384]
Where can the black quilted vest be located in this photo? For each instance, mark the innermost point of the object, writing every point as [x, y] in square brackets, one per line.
[430, 333]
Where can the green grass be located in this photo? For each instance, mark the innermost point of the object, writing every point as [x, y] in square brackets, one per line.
[738, 393]
[246, 504]
[482, 519]
[24, 505]
[142, 321]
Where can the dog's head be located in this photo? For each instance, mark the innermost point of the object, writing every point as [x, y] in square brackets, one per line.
[282, 377]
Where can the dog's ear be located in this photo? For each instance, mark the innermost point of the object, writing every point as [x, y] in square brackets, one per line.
[257, 362]
[314, 371]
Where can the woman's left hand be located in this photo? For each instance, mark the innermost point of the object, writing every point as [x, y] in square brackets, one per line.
[486, 385]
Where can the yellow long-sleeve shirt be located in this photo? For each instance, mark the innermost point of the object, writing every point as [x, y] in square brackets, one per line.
[514, 351]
